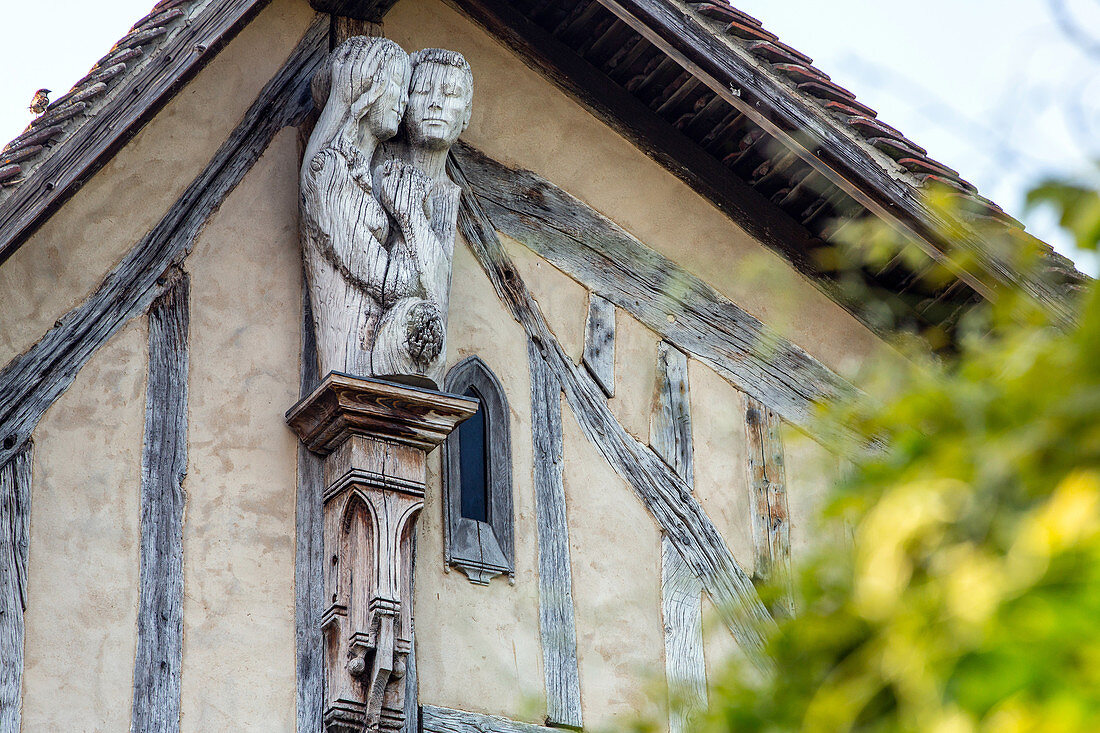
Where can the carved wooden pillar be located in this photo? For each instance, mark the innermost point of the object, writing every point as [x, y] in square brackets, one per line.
[375, 437]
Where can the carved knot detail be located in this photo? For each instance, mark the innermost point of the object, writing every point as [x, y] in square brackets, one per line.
[424, 333]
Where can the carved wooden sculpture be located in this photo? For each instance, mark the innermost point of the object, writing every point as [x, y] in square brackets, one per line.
[378, 229]
[363, 89]
[423, 202]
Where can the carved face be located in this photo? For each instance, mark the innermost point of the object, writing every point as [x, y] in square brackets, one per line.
[439, 105]
[380, 117]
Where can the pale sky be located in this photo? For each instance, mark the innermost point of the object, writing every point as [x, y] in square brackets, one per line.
[993, 88]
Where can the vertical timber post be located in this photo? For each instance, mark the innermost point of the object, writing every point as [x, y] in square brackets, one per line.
[374, 437]
[15, 515]
[681, 591]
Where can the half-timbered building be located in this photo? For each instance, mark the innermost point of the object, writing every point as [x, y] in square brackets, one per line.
[247, 482]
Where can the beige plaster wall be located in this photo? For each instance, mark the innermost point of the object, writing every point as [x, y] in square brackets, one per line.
[522, 119]
[82, 589]
[478, 647]
[721, 459]
[238, 539]
[95, 229]
[615, 556]
[810, 470]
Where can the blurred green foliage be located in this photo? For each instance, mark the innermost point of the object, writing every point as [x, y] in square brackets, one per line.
[969, 596]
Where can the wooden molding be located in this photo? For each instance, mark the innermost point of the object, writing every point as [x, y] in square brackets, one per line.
[343, 405]
[375, 437]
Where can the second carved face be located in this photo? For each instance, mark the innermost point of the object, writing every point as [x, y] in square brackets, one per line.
[439, 104]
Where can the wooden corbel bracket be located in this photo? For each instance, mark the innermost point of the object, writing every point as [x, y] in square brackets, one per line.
[375, 437]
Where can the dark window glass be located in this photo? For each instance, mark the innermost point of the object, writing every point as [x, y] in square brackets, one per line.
[472, 461]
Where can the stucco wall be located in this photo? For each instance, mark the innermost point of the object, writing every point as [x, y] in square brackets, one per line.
[238, 541]
[82, 570]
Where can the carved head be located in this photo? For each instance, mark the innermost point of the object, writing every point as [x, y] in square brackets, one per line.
[368, 77]
[440, 97]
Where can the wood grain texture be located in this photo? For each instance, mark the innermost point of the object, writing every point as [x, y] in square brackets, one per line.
[666, 496]
[445, 720]
[142, 95]
[32, 381]
[365, 10]
[599, 342]
[309, 580]
[611, 262]
[771, 537]
[681, 591]
[685, 667]
[670, 425]
[343, 405]
[556, 616]
[822, 142]
[159, 655]
[15, 514]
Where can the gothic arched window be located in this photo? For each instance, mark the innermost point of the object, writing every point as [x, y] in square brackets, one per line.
[477, 478]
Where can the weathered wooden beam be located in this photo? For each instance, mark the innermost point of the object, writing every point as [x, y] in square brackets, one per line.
[371, 11]
[612, 263]
[834, 152]
[446, 720]
[663, 493]
[599, 342]
[412, 689]
[159, 655]
[771, 536]
[556, 622]
[141, 96]
[15, 515]
[681, 591]
[670, 424]
[32, 381]
[309, 580]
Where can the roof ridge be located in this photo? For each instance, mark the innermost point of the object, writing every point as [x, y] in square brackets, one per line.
[69, 112]
[896, 154]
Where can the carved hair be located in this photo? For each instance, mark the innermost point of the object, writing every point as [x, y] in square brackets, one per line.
[361, 62]
[446, 58]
